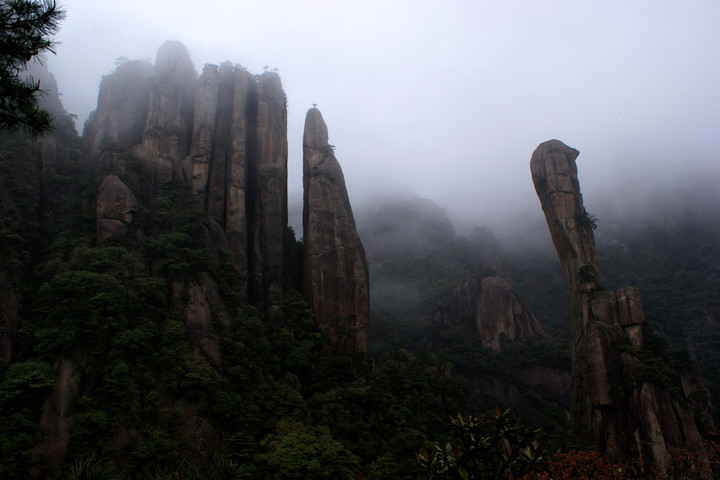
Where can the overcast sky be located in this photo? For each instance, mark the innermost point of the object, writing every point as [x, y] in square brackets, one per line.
[448, 97]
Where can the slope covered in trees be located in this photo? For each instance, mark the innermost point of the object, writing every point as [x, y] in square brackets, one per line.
[104, 362]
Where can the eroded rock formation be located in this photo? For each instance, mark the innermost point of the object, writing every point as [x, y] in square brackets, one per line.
[114, 209]
[613, 407]
[119, 119]
[168, 124]
[490, 309]
[335, 270]
[199, 302]
[225, 133]
[268, 195]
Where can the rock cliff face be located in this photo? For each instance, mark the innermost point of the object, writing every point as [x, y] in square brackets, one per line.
[225, 133]
[121, 108]
[169, 116]
[490, 309]
[224, 101]
[335, 269]
[268, 195]
[612, 406]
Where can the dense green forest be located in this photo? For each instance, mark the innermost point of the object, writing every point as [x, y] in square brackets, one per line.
[150, 404]
[99, 338]
[105, 375]
[279, 405]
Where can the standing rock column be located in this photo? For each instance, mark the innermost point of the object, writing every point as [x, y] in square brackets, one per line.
[611, 407]
[224, 101]
[335, 270]
[168, 126]
[220, 151]
[119, 119]
[268, 180]
[236, 214]
[204, 112]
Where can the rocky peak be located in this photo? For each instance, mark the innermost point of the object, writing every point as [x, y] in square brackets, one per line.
[612, 406]
[225, 133]
[557, 186]
[172, 62]
[335, 270]
[119, 119]
[168, 125]
[490, 309]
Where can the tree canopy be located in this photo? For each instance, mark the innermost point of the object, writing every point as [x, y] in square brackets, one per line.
[26, 28]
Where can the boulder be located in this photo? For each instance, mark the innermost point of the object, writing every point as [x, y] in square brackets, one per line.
[114, 210]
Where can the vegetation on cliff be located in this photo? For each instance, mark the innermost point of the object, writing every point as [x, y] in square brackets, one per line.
[107, 369]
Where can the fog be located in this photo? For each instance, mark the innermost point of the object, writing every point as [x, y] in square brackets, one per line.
[449, 99]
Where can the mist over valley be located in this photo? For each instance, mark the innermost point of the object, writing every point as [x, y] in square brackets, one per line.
[364, 240]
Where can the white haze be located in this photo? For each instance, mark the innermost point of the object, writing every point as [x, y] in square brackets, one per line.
[449, 98]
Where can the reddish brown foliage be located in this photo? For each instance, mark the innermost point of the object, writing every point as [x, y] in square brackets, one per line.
[589, 465]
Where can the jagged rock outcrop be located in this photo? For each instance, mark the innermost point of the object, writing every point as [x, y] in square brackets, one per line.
[490, 309]
[168, 125]
[612, 407]
[335, 269]
[119, 119]
[225, 133]
[114, 210]
[224, 109]
[500, 315]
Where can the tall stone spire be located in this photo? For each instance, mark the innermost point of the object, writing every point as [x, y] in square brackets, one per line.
[335, 270]
[612, 406]
[168, 126]
[267, 176]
